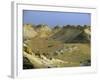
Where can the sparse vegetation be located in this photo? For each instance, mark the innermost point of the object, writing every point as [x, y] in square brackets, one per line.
[66, 46]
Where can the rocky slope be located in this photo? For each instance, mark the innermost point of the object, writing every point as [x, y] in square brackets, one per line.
[28, 31]
[46, 47]
[62, 34]
[43, 31]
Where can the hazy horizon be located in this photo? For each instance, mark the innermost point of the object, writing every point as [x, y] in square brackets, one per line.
[56, 18]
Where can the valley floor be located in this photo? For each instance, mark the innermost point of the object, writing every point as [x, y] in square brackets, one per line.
[58, 54]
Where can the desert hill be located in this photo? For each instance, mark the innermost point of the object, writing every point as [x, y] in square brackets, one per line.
[53, 47]
[72, 34]
[64, 34]
[28, 31]
[43, 30]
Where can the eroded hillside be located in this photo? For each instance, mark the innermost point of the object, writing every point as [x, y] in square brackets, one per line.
[46, 47]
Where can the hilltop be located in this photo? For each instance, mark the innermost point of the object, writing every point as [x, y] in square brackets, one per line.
[65, 34]
[28, 31]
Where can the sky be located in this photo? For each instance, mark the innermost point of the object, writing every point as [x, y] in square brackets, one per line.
[55, 18]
